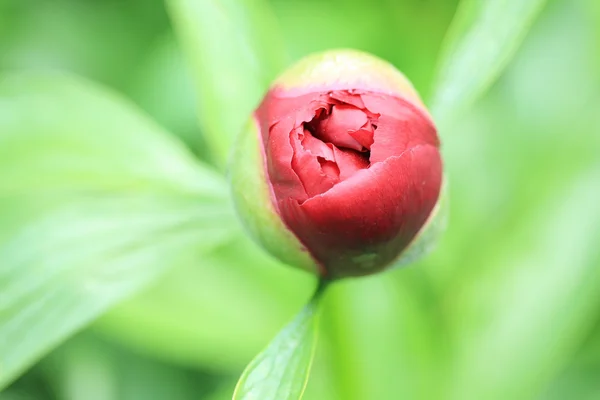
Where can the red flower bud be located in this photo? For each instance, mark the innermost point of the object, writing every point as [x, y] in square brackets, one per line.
[351, 160]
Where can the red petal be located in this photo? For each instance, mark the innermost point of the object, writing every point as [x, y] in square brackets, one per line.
[365, 222]
[279, 153]
[342, 120]
[349, 162]
[344, 97]
[365, 135]
[401, 110]
[384, 105]
[278, 117]
[316, 146]
[308, 168]
[391, 139]
[330, 169]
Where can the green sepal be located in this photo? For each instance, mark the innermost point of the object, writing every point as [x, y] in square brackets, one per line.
[252, 197]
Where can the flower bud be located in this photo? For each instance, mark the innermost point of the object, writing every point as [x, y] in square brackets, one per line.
[339, 170]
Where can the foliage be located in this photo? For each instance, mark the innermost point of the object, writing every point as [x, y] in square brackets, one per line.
[106, 216]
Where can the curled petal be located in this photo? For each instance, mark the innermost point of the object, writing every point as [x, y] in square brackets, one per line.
[330, 169]
[279, 154]
[344, 96]
[349, 158]
[349, 162]
[308, 168]
[365, 135]
[362, 223]
[317, 147]
[342, 120]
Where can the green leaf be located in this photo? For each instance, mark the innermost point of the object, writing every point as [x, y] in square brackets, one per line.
[280, 372]
[235, 51]
[96, 201]
[384, 336]
[530, 310]
[163, 79]
[238, 285]
[576, 382]
[481, 41]
[92, 369]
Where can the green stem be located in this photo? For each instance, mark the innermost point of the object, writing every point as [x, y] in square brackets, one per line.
[320, 290]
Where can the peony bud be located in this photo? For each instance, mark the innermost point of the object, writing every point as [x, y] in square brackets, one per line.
[339, 169]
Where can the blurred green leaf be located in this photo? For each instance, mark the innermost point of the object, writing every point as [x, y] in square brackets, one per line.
[482, 39]
[92, 369]
[517, 137]
[406, 33]
[579, 379]
[235, 51]
[200, 310]
[101, 40]
[526, 314]
[577, 382]
[280, 372]
[163, 79]
[385, 337]
[95, 202]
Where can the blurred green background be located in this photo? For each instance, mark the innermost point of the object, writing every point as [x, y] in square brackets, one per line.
[508, 305]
